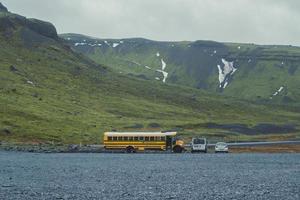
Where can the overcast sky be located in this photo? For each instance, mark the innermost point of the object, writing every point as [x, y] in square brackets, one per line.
[252, 21]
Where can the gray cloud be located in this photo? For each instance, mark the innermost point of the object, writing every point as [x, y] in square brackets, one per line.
[251, 21]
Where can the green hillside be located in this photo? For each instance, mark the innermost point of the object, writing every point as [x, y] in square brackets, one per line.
[252, 72]
[48, 93]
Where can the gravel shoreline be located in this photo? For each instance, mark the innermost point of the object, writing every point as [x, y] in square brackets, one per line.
[53, 148]
[48, 148]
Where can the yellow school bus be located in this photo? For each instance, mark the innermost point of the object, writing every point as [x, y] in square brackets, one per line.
[139, 141]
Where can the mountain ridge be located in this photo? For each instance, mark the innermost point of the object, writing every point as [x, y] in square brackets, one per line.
[3, 8]
[80, 35]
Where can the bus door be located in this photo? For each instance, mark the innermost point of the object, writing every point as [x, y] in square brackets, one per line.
[169, 142]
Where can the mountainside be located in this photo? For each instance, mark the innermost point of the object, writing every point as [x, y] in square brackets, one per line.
[49, 93]
[261, 73]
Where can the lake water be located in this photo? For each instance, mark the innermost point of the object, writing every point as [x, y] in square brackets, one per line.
[149, 176]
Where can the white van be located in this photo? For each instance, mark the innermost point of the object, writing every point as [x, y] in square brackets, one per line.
[199, 145]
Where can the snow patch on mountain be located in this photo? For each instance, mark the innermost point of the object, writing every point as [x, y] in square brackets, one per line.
[79, 44]
[157, 54]
[115, 45]
[83, 44]
[278, 91]
[163, 64]
[135, 62]
[163, 67]
[162, 70]
[147, 67]
[221, 75]
[165, 74]
[30, 82]
[225, 72]
[226, 83]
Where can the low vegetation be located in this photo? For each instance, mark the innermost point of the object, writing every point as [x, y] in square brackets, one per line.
[261, 70]
[49, 94]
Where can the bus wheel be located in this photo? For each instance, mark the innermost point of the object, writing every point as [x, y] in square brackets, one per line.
[177, 149]
[130, 149]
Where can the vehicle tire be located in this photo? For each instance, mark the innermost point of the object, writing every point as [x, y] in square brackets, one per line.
[177, 149]
[130, 149]
[205, 151]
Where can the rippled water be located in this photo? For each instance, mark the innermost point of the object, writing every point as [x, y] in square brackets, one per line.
[149, 176]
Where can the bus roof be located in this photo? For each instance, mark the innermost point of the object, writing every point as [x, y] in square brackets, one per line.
[140, 133]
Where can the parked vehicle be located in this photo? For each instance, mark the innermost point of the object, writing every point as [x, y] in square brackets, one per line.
[131, 142]
[199, 145]
[221, 147]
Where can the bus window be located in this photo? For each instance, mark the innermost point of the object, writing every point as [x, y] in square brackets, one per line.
[130, 138]
[115, 138]
[151, 138]
[109, 138]
[146, 138]
[125, 138]
[136, 138]
[141, 138]
[162, 138]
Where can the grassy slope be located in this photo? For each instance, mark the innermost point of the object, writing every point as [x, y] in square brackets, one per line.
[72, 101]
[195, 64]
[53, 94]
[276, 66]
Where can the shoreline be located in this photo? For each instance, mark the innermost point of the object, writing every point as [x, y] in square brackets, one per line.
[48, 148]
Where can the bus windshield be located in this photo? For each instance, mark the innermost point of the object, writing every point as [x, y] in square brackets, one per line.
[199, 141]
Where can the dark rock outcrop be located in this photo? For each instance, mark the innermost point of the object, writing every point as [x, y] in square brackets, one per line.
[3, 8]
[13, 68]
[43, 28]
[11, 22]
